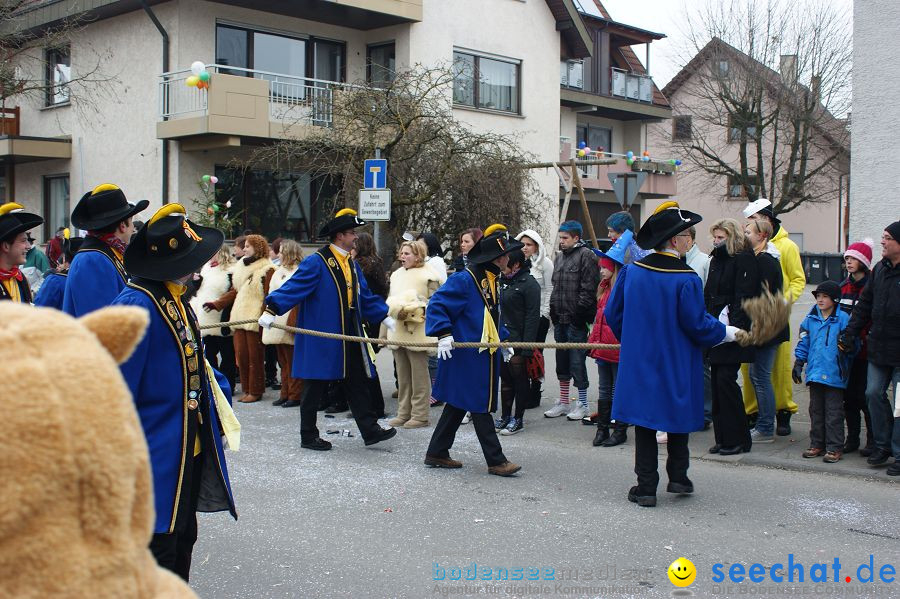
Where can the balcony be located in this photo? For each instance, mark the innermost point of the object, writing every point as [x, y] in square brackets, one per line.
[242, 103]
[16, 148]
[632, 86]
[626, 96]
[660, 182]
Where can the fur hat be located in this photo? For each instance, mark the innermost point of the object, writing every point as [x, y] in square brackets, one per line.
[862, 251]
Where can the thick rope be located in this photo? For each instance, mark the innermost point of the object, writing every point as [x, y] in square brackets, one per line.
[421, 344]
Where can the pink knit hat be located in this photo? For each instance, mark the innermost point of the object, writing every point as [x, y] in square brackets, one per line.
[862, 251]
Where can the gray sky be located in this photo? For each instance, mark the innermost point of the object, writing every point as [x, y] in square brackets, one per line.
[668, 17]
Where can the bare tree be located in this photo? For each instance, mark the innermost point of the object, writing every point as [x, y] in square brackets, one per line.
[444, 176]
[764, 82]
[29, 71]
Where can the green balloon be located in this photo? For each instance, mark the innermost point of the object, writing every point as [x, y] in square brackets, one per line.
[205, 178]
[215, 207]
[204, 76]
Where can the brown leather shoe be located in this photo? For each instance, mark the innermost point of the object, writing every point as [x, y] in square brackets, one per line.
[436, 462]
[504, 469]
[250, 399]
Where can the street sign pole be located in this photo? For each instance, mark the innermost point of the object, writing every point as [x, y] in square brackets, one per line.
[379, 229]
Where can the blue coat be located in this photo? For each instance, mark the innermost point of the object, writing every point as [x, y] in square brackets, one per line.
[469, 379]
[319, 289]
[656, 309]
[817, 346]
[50, 295]
[95, 278]
[157, 375]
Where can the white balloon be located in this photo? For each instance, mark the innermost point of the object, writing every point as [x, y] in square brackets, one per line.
[197, 67]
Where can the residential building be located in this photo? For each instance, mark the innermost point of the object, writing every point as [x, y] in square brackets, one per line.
[156, 137]
[697, 122]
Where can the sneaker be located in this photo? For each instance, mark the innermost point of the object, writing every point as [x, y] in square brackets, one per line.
[558, 409]
[758, 437]
[467, 418]
[578, 413]
[662, 437]
[514, 426]
[500, 423]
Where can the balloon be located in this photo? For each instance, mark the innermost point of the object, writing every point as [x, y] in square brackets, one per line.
[215, 207]
[228, 204]
[630, 161]
[197, 67]
[581, 145]
[202, 85]
[213, 180]
[646, 159]
[205, 178]
[629, 154]
[672, 162]
[210, 211]
[587, 150]
[204, 76]
[580, 153]
[192, 81]
[677, 163]
[646, 153]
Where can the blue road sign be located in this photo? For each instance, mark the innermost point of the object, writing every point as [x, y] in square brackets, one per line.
[375, 174]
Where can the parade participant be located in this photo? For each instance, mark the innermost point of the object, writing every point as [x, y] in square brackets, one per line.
[333, 297]
[858, 262]
[178, 397]
[466, 308]
[520, 311]
[55, 247]
[542, 271]
[250, 278]
[35, 258]
[435, 259]
[607, 360]
[53, 289]
[879, 309]
[374, 273]
[97, 275]
[699, 261]
[290, 255]
[215, 280]
[467, 240]
[733, 277]
[14, 222]
[794, 283]
[573, 304]
[656, 308]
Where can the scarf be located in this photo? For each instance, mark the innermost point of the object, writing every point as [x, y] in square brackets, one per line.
[13, 273]
[111, 240]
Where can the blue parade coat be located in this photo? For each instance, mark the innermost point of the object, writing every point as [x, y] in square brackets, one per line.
[157, 374]
[469, 379]
[52, 290]
[656, 308]
[95, 278]
[318, 287]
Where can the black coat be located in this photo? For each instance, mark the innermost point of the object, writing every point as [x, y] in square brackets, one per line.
[879, 304]
[770, 276]
[731, 280]
[520, 308]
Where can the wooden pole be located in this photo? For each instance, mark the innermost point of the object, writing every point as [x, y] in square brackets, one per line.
[562, 215]
[580, 162]
[584, 205]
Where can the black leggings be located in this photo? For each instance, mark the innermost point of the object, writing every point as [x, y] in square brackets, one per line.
[514, 386]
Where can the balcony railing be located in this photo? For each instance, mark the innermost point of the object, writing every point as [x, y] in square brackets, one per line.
[9, 121]
[571, 73]
[631, 86]
[299, 99]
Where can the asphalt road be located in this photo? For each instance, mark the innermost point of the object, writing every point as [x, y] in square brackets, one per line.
[375, 522]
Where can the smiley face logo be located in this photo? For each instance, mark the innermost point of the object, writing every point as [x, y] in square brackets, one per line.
[682, 572]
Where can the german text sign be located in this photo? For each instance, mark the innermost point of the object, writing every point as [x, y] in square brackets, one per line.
[375, 204]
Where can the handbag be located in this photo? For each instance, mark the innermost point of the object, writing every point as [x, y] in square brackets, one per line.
[535, 365]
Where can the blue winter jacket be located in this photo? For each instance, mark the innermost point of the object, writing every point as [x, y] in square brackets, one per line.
[825, 363]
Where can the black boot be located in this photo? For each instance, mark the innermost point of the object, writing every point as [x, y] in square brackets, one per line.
[617, 437]
[783, 423]
[601, 436]
[534, 396]
[751, 420]
[870, 440]
[851, 444]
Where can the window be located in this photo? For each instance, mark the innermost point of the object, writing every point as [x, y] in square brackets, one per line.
[381, 63]
[56, 204]
[737, 188]
[596, 138]
[720, 69]
[737, 123]
[483, 82]
[681, 128]
[58, 74]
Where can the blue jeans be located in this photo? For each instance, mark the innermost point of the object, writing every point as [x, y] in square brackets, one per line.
[885, 428]
[761, 376]
[570, 362]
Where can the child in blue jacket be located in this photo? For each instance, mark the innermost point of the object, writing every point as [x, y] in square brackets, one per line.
[827, 372]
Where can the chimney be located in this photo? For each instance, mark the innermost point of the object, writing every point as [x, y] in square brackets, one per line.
[788, 68]
[815, 84]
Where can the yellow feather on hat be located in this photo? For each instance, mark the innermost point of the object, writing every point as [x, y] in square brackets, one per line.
[666, 206]
[494, 228]
[349, 211]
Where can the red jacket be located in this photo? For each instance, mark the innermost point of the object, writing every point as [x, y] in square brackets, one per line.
[601, 333]
[850, 291]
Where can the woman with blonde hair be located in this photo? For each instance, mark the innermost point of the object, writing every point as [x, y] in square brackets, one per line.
[733, 277]
[411, 286]
[215, 279]
[289, 256]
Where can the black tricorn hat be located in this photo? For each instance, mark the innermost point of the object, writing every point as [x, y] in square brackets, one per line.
[103, 206]
[14, 220]
[495, 243]
[666, 222]
[344, 219]
[170, 246]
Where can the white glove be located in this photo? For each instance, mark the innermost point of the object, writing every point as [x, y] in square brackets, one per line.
[445, 344]
[723, 316]
[507, 353]
[266, 320]
[729, 333]
[389, 323]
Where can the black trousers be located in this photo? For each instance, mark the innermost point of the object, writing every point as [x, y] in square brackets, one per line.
[855, 402]
[514, 387]
[728, 415]
[356, 388]
[216, 346]
[271, 364]
[646, 459]
[173, 550]
[376, 395]
[448, 424]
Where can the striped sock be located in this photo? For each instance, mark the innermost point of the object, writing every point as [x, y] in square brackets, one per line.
[582, 397]
[564, 392]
